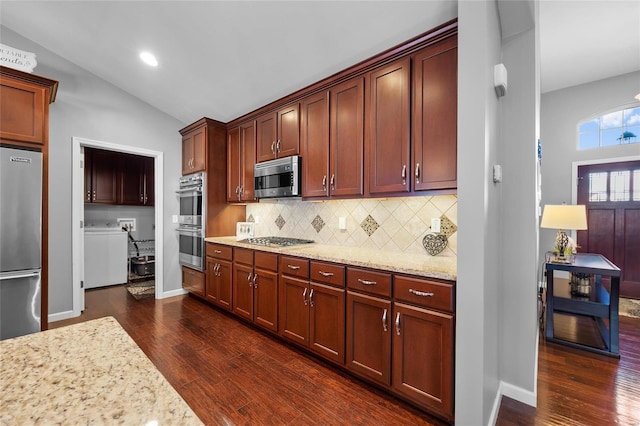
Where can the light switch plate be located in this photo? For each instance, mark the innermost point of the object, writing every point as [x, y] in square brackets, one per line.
[435, 224]
[244, 230]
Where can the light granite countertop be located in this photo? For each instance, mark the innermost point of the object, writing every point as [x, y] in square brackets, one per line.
[90, 373]
[427, 266]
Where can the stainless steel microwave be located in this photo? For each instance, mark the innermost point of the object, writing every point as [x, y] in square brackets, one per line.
[278, 178]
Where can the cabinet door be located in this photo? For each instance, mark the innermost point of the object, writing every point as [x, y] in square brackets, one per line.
[288, 142]
[369, 337]
[88, 170]
[224, 284]
[193, 281]
[131, 185]
[149, 181]
[266, 137]
[326, 321]
[233, 165]
[265, 293]
[212, 282]
[187, 154]
[194, 151]
[314, 138]
[434, 121]
[347, 138]
[243, 291]
[247, 160]
[423, 356]
[294, 309]
[388, 137]
[23, 109]
[104, 187]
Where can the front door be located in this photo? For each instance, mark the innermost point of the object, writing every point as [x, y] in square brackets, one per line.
[611, 194]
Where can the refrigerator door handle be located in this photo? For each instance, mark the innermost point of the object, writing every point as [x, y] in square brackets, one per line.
[10, 276]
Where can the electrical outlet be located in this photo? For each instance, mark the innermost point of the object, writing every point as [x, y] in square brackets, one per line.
[435, 224]
[129, 224]
[342, 223]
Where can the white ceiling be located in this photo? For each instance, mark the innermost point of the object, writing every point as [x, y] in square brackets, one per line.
[224, 59]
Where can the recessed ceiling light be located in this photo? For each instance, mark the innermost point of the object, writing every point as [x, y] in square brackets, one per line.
[149, 59]
[638, 96]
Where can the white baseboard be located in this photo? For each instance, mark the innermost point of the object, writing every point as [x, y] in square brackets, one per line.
[61, 316]
[172, 293]
[513, 392]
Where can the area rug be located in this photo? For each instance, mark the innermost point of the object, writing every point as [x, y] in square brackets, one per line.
[141, 290]
[629, 307]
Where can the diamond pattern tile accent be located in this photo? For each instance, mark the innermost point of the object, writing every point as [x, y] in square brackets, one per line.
[369, 225]
[317, 223]
[447, 227]
[280, 221]
[251, 218]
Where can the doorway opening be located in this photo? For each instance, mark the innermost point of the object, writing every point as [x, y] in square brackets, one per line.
[142, 222]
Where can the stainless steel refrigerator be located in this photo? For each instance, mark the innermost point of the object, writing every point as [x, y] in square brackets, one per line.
[20, 241]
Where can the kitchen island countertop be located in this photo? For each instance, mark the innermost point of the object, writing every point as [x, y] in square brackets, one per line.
[440, 267]
[86, 373]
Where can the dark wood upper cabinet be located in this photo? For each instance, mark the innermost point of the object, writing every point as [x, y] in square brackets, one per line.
[101, 176]
[347, 138]
[314, 145]
[435, 94]
[247, 160]
[136, 180]
[387, 141]
[234, 165]
[194, 151]
[278, 134]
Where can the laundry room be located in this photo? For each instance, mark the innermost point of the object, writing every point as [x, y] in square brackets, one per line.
[119, 220]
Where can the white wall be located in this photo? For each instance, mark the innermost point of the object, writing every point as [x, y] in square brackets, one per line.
[560, 113]
[88, 107]
[477, 328]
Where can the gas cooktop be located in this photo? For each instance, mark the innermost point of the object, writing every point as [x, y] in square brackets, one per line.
[276, 241]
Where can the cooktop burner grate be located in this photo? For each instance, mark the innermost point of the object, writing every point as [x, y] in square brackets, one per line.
[276, 241]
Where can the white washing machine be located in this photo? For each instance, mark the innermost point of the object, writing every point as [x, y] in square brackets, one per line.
[105, 256]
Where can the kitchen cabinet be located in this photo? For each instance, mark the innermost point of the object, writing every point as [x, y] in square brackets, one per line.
[100, 176]
[136, 180]
[332, 134]
[241, 154]
[387, 140]
[368, 324]
[434, 112]
[218, 288]
[312, 309]
[193, 281]
[278, 134]
[255, 287]
[194, 150]
[423, 343]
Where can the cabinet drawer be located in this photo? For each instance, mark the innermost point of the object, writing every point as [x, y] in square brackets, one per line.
[294, 266]
[327, 273]
[241, 255]
[219, 251]
[430, 294]
[267, 261]
[368, 281]
[193, 281]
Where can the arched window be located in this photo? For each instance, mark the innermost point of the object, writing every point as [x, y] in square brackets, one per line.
[615, 128]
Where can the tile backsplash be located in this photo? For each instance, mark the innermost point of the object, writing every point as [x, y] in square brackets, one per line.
[393, 224]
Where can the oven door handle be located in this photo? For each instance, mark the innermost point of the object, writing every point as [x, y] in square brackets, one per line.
[189, 230]
[197, 190]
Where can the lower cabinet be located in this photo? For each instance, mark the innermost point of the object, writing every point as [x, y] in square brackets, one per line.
[423, 356]
[193, 281]
[369, 337]
[255, 288]
[218, 288]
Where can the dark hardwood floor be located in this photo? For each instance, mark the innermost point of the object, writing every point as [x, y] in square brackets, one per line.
[229, 373]
[577, 387]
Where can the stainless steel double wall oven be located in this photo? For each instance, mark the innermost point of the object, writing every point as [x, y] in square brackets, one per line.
[192, 220]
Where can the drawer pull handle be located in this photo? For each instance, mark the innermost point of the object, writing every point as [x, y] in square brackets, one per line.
[255, 277]
[294, 267]
[384, 320]
[311, 298]
[304, 297]
[420, 293]
[326, 274]
[365, 282]
[398, 324]
[217, 251]
[249, 279]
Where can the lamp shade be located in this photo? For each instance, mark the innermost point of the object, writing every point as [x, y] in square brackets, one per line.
[564, 217]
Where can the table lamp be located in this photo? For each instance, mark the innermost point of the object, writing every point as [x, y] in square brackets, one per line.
[563, 217]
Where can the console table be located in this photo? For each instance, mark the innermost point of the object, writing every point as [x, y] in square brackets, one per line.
[600, 304]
